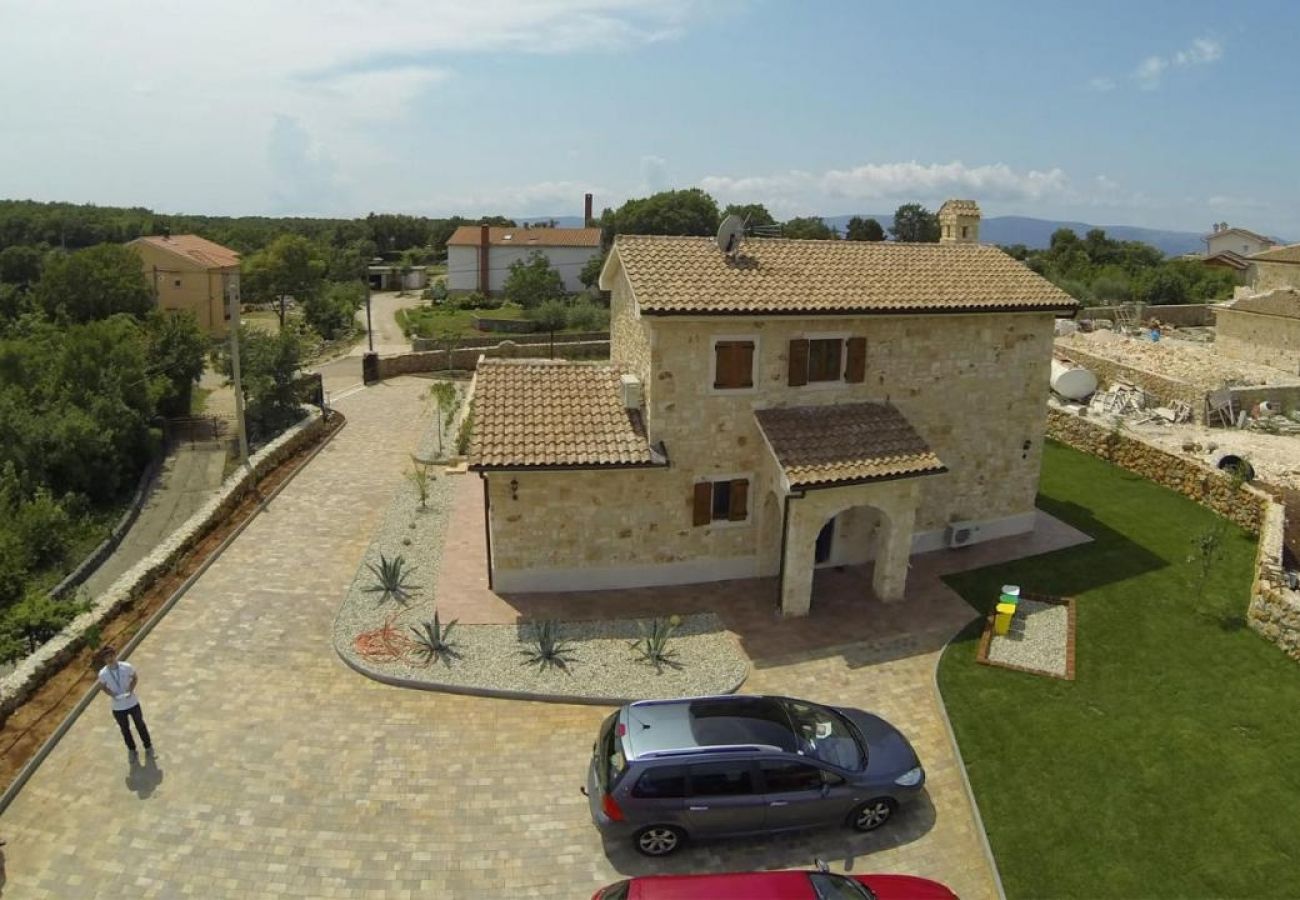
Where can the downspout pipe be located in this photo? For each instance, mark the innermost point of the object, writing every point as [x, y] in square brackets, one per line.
[487, 524]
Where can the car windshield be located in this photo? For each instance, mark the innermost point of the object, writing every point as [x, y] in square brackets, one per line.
[824, 734]
[829, 886]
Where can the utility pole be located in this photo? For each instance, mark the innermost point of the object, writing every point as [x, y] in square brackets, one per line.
[233, 300]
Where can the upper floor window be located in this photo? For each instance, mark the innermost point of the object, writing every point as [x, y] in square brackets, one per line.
[827, 360]
[733, 364]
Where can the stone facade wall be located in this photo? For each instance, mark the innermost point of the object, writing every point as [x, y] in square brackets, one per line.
[1268, 276]
[32, 671]
[1274, 610]
[466, 359]
[1165, 389]
[1254, 337]
[629, 337]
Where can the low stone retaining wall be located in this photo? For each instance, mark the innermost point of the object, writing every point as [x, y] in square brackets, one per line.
[420, 345]
[1167, 390]
[32, 671]
[1184, 315]
[87, 566]
[467, 358]
[508, 326]
[1274, 610]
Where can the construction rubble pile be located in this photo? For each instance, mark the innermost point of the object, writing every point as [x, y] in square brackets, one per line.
[1193, 363]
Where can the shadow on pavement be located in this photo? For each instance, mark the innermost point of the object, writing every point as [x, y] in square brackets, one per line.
[144, 778]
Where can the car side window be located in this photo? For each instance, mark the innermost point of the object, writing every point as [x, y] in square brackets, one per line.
[828, 886]
[782, 776]
[661, 783]
[722, 779]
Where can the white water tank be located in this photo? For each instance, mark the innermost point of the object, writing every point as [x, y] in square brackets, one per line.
[1072, 382]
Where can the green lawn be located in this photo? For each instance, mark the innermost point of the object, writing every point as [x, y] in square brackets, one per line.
[1171, 766]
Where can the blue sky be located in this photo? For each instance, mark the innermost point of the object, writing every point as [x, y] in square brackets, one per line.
[1168, 115]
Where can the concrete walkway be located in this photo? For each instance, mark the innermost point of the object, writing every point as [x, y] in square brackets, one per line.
[388, 336]
[283, 773]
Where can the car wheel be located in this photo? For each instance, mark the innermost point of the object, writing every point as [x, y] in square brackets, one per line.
[872, 814]
[658, 840]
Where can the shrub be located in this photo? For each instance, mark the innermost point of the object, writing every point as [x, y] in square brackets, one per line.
[45, 527]
[531, 283]
[548, 649]
[433, 641]
[391, 580]
[653, 645]
[421, 477]
[466, 432]
[332, 312]
[587, 316]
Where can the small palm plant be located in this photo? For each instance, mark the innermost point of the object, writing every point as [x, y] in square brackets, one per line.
[433, 641]
[653, 645]
[420, 476]
[391, 580]
[548, 648]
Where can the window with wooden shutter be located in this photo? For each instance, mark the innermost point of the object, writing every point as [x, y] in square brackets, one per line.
[702, 503]
[733, 365]
[798, 362]
[855, 367]
[739, 500]
[824, 357]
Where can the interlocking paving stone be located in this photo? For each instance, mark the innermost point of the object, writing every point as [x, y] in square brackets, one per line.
[283, 772]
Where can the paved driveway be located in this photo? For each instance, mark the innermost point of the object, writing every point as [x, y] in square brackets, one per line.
[283, 773]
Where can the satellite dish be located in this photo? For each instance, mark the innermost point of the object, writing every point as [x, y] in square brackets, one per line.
[730, 233]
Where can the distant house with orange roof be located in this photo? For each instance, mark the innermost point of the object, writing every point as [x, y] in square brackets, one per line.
[479, 256]
[187, 272]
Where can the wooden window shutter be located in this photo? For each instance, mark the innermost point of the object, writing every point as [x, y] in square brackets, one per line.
[703, 503]
[798, 362]
[743, 356]
[739, 500]
[721, 364]
[855, 367]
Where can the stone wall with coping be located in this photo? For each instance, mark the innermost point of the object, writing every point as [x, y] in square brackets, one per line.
[32, 671]
[1165, 389]
[420, 345]
[466, 359]
[1274, 610]
[1263, 275]
[1257, 338]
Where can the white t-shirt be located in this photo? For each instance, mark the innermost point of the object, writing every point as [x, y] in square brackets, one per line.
[117, 678]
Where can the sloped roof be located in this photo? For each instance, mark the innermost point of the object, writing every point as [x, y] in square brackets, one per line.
[688, 275]
[1288, 254]
[1282, 302]
[554, 413]
[1246, 231]
[1227, 258]
[821, 446]
[200, 251]
[471, 235]
[961, 207]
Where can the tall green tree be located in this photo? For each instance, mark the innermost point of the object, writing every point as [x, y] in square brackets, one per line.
[690, 211]
[551, 316]
[752, 213]
[268, 370]
[590, 274]
[20, 265]
[809, 228]
[532, 282]
[332, 312]
[289, 267]
[176, 349]
[860, 229]
[94, 283]
[913, 223]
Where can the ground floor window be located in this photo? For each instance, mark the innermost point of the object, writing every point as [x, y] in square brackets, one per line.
[724, 500]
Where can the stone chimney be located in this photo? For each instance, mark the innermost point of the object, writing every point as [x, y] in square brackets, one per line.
[484, 246]
[586, 211]
[959, 222]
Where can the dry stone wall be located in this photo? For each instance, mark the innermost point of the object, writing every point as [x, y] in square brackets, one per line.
[1164, 388]
[467, 359]
[1253, 337]
[1274, 610]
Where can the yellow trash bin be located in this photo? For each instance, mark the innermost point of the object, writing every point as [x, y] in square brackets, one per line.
[1002, 621]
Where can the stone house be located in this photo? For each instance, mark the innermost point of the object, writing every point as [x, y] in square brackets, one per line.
[1238, 241]
[1273, 269]
[479, 256]
[187, 272]
[794, 405]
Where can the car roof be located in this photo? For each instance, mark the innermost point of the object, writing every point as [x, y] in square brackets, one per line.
[665, 728]
[789, 885]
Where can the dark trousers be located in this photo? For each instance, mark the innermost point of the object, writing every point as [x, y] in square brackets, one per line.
[137, 715]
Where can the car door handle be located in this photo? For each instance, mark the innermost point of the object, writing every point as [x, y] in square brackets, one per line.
[698, 808]
[779, 803]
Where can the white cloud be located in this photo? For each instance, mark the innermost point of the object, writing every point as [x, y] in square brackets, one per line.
[1102, 84]
[799, 192]
[1201, 51]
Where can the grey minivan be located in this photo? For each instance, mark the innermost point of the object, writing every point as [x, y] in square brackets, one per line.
[663, 771]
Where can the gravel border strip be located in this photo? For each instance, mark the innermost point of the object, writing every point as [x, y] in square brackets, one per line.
[986, 639]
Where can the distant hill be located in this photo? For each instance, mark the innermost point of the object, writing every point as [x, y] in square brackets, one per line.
[1033, 233]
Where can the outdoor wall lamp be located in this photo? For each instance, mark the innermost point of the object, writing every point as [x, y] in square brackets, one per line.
[514, 488]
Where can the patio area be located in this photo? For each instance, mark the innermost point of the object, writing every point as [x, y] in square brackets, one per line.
[844, 610]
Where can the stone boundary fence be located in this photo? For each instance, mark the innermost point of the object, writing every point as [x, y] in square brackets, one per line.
[1183, 315]
[1274, 610]
[32, 671]
[466, 359]
[420, 344]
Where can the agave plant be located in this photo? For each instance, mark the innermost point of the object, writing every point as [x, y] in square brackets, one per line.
[653, 645]
[548, 649]
[433, 641]
[391, 580]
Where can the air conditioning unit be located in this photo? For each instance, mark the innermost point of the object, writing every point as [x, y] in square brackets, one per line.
[959, 534]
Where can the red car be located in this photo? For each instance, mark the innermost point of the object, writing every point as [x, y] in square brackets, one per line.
[787, 885]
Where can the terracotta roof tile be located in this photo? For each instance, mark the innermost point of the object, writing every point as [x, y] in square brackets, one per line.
[846, 442]
[471, 235]
[554, 413]
[961, 207]
[1290, 253]
[685, 275]
[1281, 302]
[197, 250]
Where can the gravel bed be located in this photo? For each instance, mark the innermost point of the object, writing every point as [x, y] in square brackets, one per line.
[1038, 638]
[489, 661]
